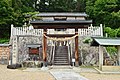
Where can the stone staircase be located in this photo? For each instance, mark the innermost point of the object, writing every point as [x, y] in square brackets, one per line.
[61, 55]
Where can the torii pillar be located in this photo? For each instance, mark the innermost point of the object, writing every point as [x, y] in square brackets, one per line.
[76, 49]
[44, 47]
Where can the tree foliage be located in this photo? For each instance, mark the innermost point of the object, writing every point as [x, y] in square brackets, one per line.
[100, 11]
[112, 32]
[11, 12]
[59, 5]
[104, 11]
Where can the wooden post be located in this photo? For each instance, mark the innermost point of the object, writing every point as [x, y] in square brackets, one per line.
[100, 57]
[44, 46]
[76, 49]
[119, 55]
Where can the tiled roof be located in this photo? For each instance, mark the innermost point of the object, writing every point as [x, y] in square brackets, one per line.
[106, 42]
[67, 21]
[62, 14]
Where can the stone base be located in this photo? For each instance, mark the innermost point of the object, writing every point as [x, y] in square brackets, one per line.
[44, 68]
[111, 68]
[76, 64]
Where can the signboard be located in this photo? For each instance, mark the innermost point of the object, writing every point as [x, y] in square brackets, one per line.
[73, 60]
[34, 51]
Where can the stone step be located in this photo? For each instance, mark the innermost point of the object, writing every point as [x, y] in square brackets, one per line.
[65, 59]
[61, 55]
[61, 58]
[61, 67]
[65, 52]
[61, 63]
[61, 52]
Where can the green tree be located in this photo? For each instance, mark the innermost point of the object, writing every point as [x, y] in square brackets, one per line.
[6, 13]
[11, 12]
[60, 5]
[118, 33]
[111, 32]
[104, 11]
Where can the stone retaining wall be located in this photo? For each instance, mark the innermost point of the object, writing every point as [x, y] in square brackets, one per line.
[4, 53]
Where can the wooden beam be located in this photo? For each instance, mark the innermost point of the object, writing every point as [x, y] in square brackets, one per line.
[60, 35]
[59, 26]
[76, 49]
[44, 45]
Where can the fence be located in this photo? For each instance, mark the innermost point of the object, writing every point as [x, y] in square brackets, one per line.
[25, 31]
[90, 31]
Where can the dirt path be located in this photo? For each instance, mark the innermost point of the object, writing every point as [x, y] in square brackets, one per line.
[96, 76]
[8, 74]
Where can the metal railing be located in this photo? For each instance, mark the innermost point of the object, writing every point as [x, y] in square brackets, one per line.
[69, 52]
[53, 54]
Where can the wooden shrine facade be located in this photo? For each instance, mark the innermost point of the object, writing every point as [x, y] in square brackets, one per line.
[56, 21]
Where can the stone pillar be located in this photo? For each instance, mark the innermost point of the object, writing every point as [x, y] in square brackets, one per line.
[12, 26]
[101, 30]
[44, 46]
[100, 57]
[76, 49]
[15, 50]
[119, 55]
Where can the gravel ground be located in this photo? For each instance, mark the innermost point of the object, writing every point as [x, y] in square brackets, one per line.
[96, 76]
[92, 74]
[8, 74]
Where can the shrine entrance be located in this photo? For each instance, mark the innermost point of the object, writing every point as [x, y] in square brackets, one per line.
[61, 48]
[56, 21]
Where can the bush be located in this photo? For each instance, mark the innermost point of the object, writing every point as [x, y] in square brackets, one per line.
[118, 33]
[111, 50]
[4, 40]
[112, 32]
[87, 40]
